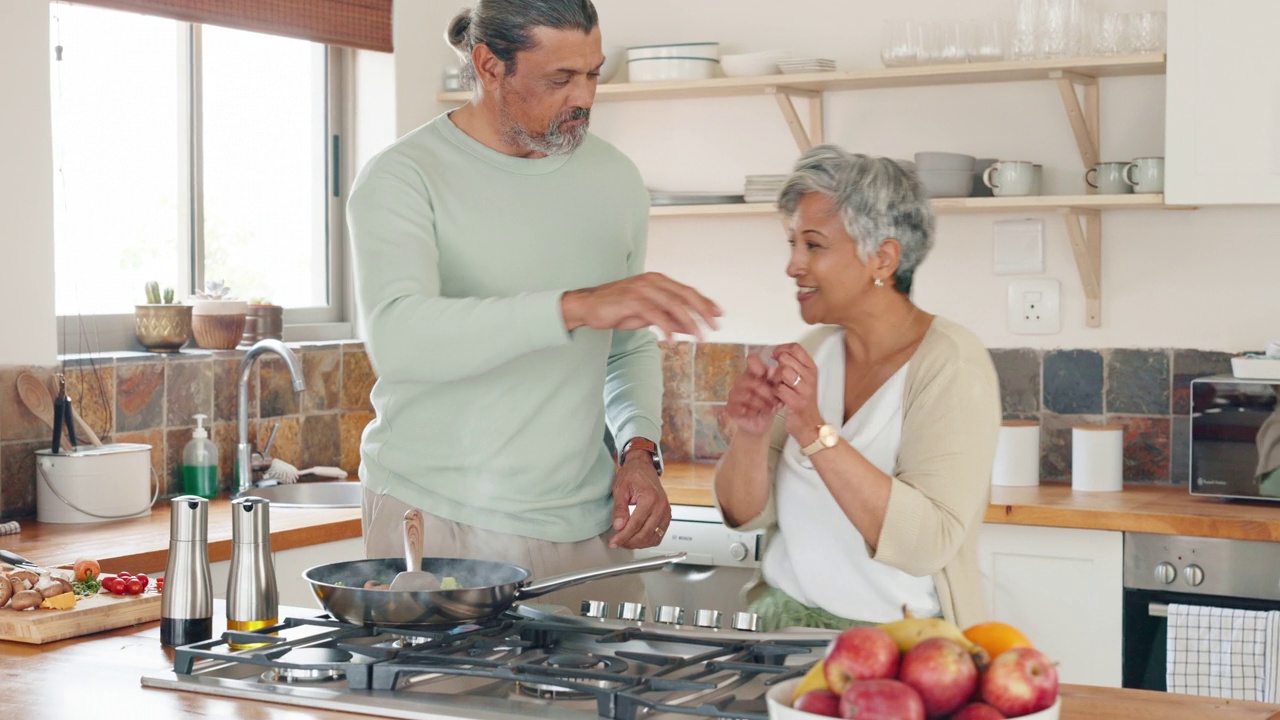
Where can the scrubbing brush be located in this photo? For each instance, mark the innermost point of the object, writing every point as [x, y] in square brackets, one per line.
[285, 474]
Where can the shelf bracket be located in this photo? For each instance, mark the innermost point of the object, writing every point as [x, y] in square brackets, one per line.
[786, 97]
[1084, 228]
[1084, 119]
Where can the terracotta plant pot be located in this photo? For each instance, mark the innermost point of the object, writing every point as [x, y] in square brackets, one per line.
[218, 324]
[162, 328]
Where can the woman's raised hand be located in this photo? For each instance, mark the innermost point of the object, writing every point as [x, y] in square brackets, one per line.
[796, 388]
[752, 401]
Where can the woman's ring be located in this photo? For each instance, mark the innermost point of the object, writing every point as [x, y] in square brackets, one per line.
[795, 382]
[660, 531]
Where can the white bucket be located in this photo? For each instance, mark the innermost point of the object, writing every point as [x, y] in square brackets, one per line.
[92, 484]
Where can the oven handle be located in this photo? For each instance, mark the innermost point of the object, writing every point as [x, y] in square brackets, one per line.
[1157, 610]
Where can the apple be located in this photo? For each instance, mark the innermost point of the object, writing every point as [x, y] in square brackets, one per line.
[1020, 681]
[861, 653]
[819, 702]
[943, 672]
[978, 711]
[881, 700]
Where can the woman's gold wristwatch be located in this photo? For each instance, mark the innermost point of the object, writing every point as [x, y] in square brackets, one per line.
[827, 438]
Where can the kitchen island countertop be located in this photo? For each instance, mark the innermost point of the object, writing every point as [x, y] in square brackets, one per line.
[141, 545]
[95, 674]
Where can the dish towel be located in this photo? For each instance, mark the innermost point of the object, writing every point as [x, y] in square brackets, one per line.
[10, 528]
[1223, 652]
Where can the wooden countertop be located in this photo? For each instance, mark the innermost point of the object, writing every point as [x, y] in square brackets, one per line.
[91, 675]
[141, 545]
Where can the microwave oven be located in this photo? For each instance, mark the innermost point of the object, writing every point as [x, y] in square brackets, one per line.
[1235, 438]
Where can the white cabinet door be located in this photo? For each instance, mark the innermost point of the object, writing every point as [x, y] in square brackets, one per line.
[290, 565]
[1063, 588]
[1222, 111]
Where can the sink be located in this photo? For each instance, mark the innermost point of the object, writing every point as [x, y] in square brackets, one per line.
[309, 495]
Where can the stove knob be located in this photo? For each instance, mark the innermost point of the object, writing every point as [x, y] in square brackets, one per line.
[595, 609]
[669, 615]
[707, 619]
[738, 551]
[1193, 575]
[631, 611]
[746, 621]
[1166, 573]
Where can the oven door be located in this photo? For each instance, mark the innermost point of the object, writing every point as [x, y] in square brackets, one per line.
[1146, 627]
[719, 564]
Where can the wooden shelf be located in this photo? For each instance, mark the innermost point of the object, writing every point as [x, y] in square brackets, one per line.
[954, 206]
[922, 76]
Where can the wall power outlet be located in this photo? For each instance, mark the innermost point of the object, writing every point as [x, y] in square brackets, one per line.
[1035, 307]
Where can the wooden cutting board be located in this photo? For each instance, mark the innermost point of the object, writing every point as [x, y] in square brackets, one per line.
[90, 615]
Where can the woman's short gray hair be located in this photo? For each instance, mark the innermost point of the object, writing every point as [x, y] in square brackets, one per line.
[877, 199]
[504, 25]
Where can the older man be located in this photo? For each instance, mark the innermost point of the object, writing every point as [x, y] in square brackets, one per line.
[499, 254]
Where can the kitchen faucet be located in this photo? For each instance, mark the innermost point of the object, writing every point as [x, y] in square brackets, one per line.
[244, 450]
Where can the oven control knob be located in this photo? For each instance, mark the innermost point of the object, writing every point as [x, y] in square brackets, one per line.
[669, 615]
[630, 611]
[746, 621]
[738, 551]
[707, 619]
[1166, 573]
[595, 609]
[1193, 575]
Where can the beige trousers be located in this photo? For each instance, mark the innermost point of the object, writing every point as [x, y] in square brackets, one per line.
[383, 519]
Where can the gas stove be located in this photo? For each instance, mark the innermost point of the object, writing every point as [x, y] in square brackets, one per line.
[535, 661]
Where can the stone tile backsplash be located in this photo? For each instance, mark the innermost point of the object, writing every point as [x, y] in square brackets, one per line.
[137, 397]
[152, 399]
[1143, 390]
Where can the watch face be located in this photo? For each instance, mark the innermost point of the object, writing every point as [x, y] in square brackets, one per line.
[828, 436]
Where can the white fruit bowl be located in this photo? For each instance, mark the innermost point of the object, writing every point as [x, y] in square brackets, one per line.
[779, 701]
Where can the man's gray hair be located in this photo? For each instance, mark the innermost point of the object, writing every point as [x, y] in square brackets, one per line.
[877, 199]
[504, 26]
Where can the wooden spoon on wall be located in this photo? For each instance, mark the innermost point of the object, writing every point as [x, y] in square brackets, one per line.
[35, 395]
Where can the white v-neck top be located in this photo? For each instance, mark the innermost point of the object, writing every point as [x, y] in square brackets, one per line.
[817, 556]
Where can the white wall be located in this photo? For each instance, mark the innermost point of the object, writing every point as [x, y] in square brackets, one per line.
[1156, 291]
[27, 333]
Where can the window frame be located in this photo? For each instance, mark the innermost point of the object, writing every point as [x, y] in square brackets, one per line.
[115, 332]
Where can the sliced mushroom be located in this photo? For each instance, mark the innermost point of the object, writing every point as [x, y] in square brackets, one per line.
[6, 592]
[26, 600]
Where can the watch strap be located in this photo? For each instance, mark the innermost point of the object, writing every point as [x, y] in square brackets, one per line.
[827, 438]
[649, 446]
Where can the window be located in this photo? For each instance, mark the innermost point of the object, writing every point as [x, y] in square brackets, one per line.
[185, 153]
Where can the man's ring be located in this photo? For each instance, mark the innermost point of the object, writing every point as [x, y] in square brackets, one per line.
[660, 531]
[795, 382]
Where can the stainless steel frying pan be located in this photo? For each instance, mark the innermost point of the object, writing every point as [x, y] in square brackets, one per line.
[488, 589]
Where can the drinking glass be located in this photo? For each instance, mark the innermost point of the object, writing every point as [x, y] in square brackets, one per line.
[1024, 40]
[1055, 28]
[1112, 34]
[942, 43]
[986, 40]
[900, 43]
[1147, 31]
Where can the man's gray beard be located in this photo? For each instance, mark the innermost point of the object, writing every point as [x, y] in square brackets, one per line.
[553, 142]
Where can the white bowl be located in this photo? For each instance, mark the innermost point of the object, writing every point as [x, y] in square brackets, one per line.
[674, 68]
[946, 183]
[613, 58]
[709, 50]
[779, 701]
[944, 161]
[752, 64]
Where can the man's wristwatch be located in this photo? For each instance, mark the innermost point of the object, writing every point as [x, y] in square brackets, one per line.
[827, 438]
[649, 446]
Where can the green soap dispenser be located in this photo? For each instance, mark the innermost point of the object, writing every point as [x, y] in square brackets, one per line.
[200, 463]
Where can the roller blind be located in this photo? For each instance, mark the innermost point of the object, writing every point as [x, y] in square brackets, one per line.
[362, 24]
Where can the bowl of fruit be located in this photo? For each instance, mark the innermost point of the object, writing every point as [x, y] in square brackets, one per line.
[920, 668]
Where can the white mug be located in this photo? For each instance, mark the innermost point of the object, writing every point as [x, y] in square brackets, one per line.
[1108, 178]
[1010, 177]
[1146, 175]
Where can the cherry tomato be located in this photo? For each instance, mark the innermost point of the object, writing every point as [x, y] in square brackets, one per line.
[142, 579]
[133, 586]
[118, 586]
[124, 575]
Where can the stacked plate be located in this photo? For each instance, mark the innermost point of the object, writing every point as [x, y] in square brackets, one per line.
[763, 188]
[659, 198]
[806, 65]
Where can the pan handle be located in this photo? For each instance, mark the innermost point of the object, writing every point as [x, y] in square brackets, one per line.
[557, 582]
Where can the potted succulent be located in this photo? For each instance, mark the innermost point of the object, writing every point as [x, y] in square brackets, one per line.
[217, 318]
[161, 325]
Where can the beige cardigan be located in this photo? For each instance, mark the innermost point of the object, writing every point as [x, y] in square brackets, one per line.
[950, 421]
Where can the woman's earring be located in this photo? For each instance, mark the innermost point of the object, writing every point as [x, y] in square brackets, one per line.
[879, 282]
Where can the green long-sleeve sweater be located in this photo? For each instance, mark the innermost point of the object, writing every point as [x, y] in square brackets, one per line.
[488, 412]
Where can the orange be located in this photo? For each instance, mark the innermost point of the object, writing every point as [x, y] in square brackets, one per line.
[996, 637]
[815, 679]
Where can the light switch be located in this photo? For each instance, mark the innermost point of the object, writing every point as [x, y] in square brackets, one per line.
[1035, 307]
[1018, 247]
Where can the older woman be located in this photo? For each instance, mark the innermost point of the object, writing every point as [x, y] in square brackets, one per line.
[867, 447]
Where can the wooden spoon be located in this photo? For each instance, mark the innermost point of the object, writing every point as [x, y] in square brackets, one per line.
[35, 395]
